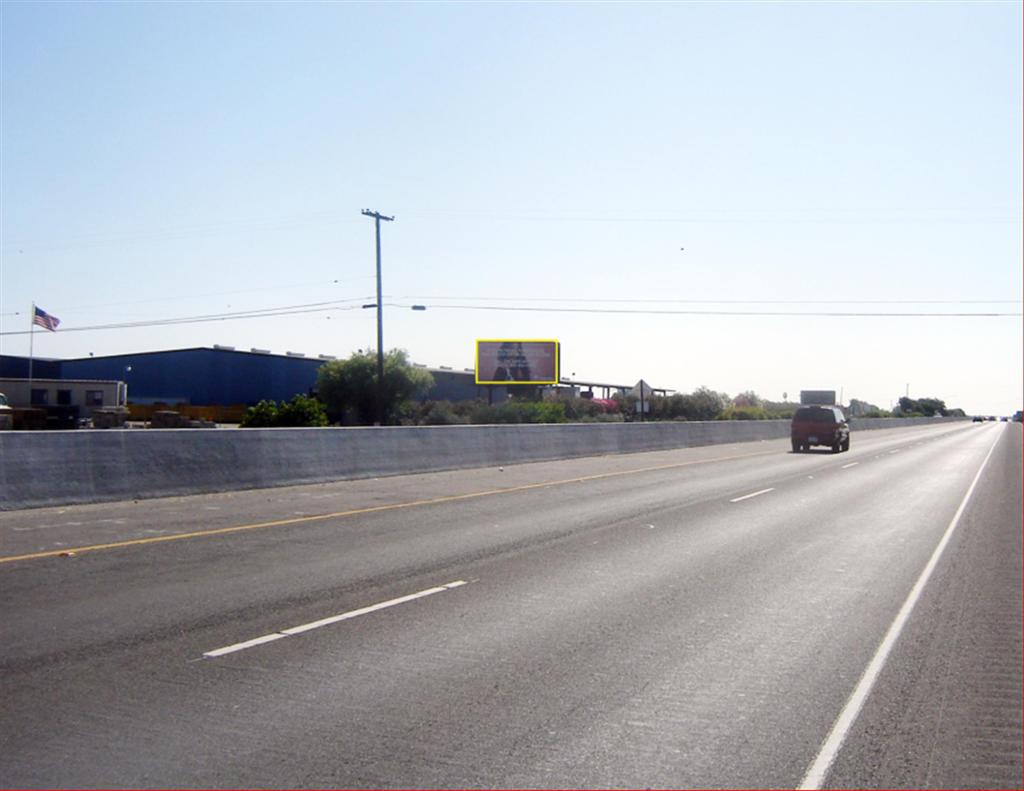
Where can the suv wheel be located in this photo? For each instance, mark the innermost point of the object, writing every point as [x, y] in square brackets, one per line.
[797, 447]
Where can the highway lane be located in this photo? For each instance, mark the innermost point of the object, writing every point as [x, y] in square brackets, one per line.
[639, 628]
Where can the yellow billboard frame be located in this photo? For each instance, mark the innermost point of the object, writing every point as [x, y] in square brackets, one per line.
[558, 353]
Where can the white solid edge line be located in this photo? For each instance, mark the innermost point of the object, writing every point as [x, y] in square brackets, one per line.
[753, 494]
[851, 464]
[333, 619]
[819, 768]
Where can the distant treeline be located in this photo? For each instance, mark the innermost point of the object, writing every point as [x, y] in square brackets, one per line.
[346, 394]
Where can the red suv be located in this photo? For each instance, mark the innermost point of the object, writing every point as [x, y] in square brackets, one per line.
[820, 425]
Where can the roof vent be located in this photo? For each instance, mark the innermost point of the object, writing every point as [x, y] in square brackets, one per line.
[327, 357]
[295, 354]
[446, 368]
[254, 350]
[223, 348]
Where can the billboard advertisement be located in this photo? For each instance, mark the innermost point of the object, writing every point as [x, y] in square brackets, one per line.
[516, 360]
[827, 397]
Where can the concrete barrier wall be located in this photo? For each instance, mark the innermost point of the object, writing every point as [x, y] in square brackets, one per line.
[64, 467]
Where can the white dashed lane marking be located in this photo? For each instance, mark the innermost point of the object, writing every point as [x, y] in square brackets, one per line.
[306, 627]
[752, 494]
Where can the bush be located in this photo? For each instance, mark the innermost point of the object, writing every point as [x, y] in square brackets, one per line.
[578, 409]
[520, 412]
[702, 404]
[433, 413]
[262, 415]
[780, 410]
[300, 411]
[743, 413]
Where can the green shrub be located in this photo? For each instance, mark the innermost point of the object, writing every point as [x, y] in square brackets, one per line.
[520, 412]
[743, 413]
[262, 415]
[577, 409]
[300, 411]
[439, 413]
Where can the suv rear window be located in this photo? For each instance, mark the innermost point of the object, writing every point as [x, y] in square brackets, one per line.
[814, 415]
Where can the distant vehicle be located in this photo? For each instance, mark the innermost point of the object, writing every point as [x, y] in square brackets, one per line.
[1005, 419]
[992, 418]
[819, 425]
[978, 419]
[1018, 416]
[6, 414]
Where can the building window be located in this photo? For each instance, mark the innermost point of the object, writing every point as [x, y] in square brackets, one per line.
[40, 397]
[94, 398]
[64, 398]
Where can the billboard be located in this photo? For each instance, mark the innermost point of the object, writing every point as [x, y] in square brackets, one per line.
[516, 360]
[826, 397]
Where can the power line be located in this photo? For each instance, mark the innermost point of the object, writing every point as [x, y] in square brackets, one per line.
[726, 301]
[650, 312]
[596, 300]
[278, 287]
[747, 216]
[339, 305]
[315, 307]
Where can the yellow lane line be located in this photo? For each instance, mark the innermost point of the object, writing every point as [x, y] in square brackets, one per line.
[219, 531]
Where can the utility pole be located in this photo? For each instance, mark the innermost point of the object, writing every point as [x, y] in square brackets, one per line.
[377, 216]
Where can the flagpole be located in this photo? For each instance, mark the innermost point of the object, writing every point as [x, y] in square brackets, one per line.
[31, 338]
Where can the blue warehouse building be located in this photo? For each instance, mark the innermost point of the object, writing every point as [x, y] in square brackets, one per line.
[221, 376]
[202, 376]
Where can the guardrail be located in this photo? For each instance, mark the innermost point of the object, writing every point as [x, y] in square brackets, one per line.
[63, 467]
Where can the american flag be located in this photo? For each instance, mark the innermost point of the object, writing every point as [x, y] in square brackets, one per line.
[45, 320]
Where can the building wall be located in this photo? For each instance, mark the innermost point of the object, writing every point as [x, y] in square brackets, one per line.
[223, 377]
[17, 368]
[462, 386]
[19, 393]
[202, 376]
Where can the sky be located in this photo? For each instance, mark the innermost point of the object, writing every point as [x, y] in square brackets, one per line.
[651, 184]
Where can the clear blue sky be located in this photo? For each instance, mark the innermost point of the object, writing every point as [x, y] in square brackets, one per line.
[164, 160]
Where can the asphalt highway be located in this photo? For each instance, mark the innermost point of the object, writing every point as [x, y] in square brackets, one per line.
[728, 616]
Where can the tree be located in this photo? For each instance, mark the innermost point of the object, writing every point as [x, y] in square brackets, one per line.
[703, 404]
[747, 399]
[928, 407]
[349, 387]
[860, 408]
[931, 406]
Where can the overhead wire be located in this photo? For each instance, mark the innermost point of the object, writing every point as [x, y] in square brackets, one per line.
[651, 312]
[292, 310]
[342, 305]
[623, 300]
